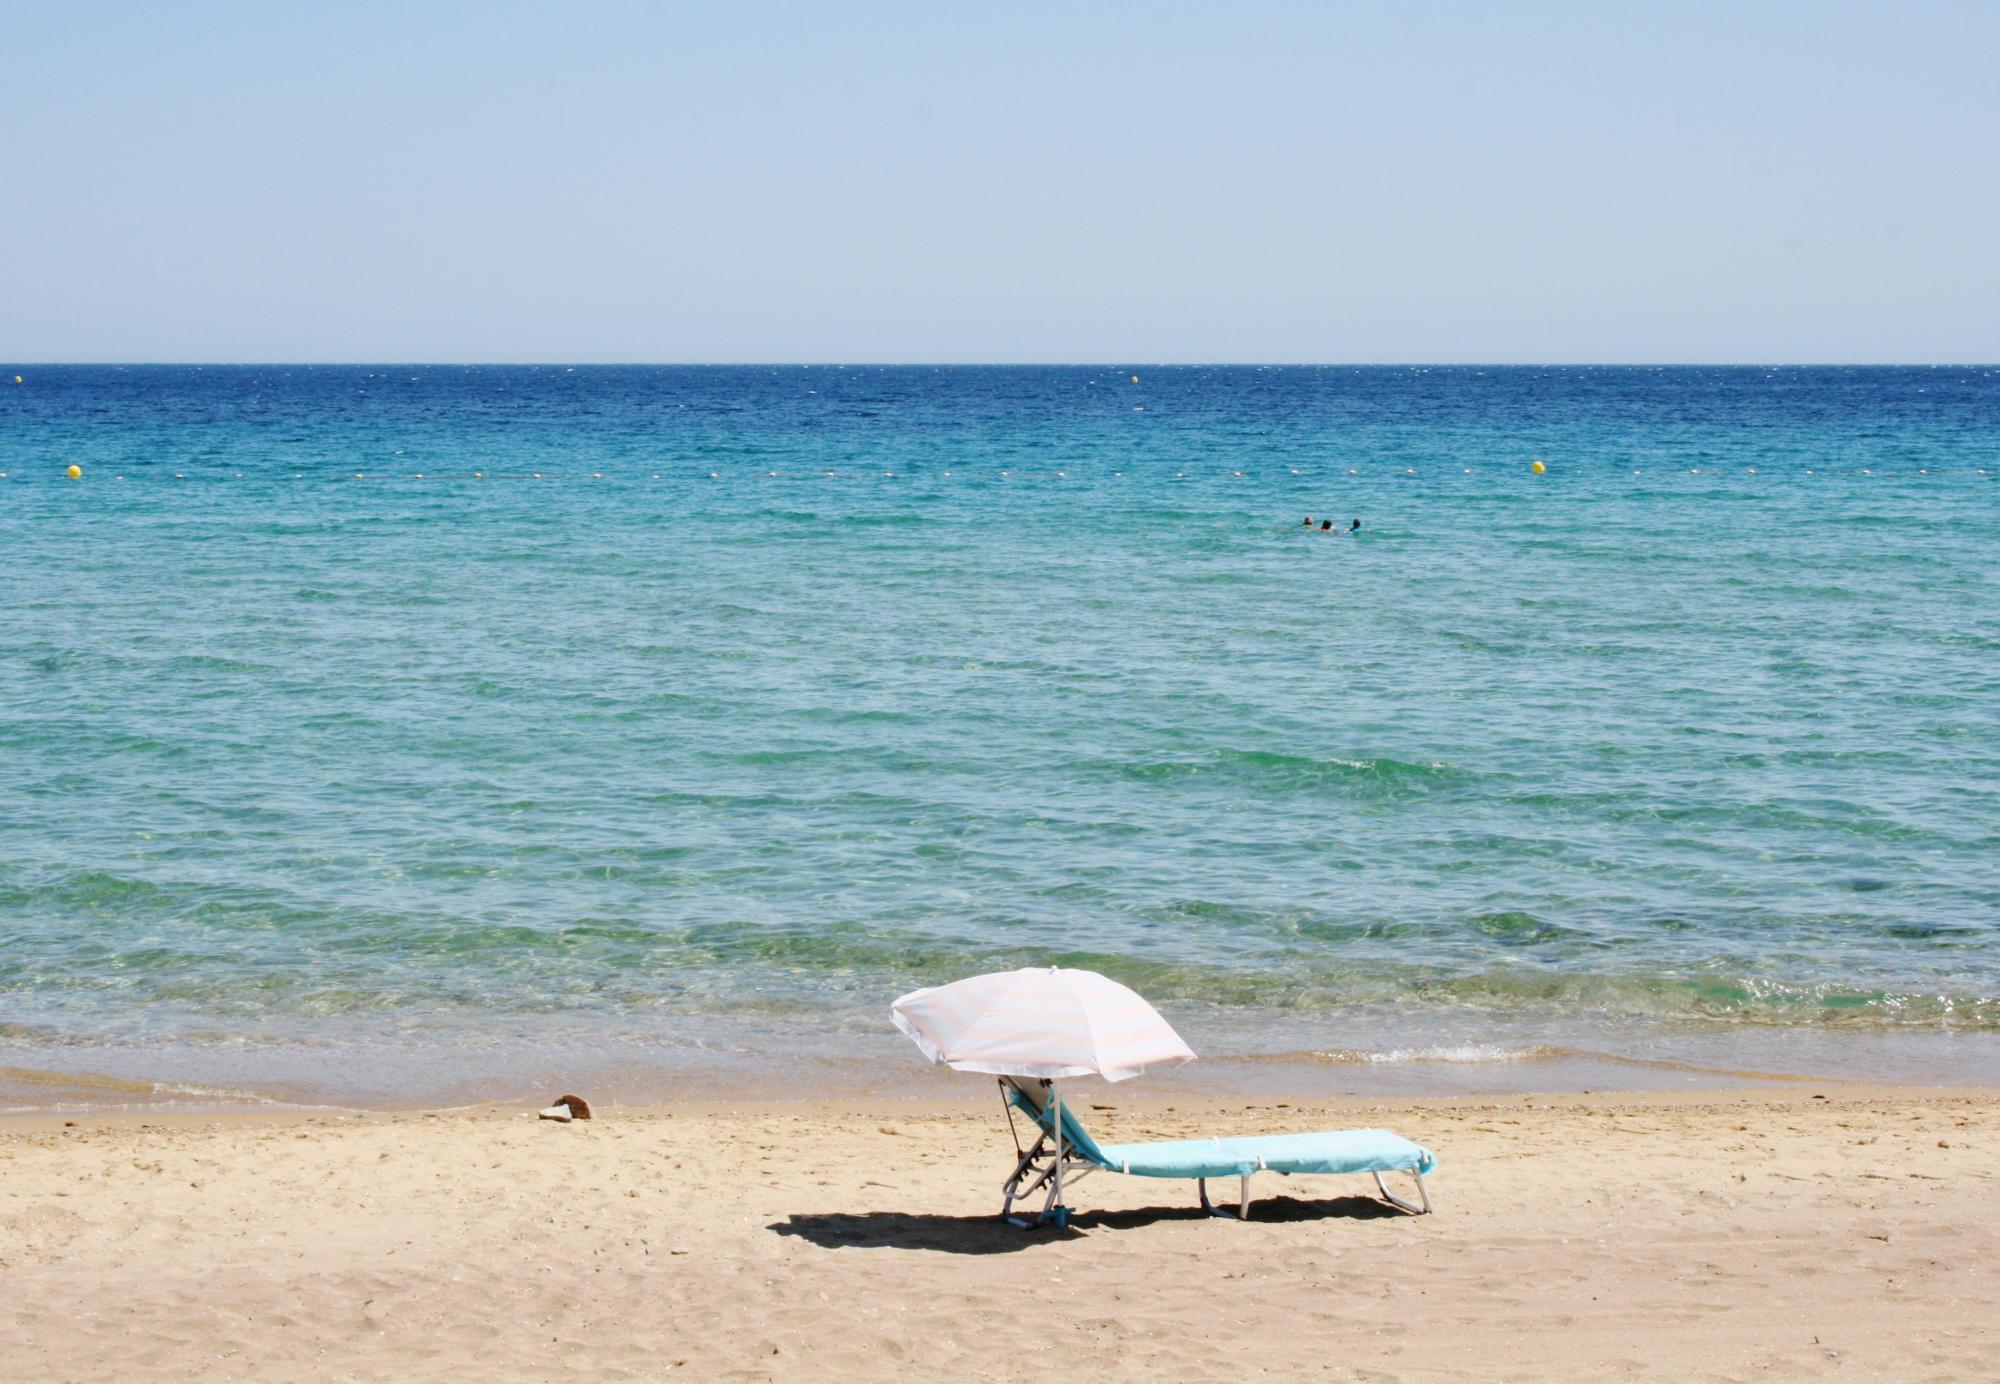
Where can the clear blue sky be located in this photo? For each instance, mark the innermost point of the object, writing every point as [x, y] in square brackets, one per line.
[1000, 182]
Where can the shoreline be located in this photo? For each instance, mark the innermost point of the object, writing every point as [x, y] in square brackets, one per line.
[975, 1098]
[1615, 1235]
[333, 1077]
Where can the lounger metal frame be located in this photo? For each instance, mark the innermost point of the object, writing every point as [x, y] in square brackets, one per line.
[1049, 1166]
[1039, 1166]
[1242, 1211]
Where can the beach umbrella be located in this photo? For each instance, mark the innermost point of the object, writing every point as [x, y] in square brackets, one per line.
[1046, 1021]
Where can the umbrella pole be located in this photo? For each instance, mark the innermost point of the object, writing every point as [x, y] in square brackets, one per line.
[1055, 1091]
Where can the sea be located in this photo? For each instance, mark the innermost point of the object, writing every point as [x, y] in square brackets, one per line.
[419, 735]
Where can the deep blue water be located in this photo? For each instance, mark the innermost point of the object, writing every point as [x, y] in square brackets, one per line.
[377, 730]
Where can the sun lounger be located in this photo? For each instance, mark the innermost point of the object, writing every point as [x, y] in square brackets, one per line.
[1064, 1142]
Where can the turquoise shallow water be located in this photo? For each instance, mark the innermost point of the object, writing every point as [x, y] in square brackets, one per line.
[326, 778]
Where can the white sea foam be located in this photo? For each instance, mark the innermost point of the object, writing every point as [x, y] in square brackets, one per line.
[1463, 1054]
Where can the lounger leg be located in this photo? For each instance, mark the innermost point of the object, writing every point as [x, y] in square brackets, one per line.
[1018, 1193]
[1423, 1195]
[1021, 1186]
[1242, 1212]
[1012, 1189]
[1023, 1193]
[1045, 1176]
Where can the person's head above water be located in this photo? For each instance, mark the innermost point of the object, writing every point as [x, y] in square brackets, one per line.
[1309, 521]
[1355, 527]
[1323, 528]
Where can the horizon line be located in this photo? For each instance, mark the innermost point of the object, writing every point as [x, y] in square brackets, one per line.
[1021, 364]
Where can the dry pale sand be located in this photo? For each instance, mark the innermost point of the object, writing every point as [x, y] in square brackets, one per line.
[1576, 1238]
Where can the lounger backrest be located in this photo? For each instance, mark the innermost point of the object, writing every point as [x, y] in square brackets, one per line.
[1031, 1097]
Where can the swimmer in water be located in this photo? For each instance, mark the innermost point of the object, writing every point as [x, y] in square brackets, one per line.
[1309, 521]
[1355, 527]
[1326, 527]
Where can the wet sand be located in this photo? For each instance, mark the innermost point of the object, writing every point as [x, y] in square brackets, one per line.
[1768, 1234]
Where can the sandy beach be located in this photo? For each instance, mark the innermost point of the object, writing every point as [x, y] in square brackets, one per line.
[1801, 1233]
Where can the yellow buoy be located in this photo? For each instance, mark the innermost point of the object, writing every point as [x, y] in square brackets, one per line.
[1135, 379]
[17, 379]
[75, 473]
[1538, 468]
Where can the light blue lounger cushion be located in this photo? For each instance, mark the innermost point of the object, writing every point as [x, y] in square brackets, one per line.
[1343, 1151]
[1346, 1151]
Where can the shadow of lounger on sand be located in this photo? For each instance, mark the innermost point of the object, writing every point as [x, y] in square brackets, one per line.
[990, 1235]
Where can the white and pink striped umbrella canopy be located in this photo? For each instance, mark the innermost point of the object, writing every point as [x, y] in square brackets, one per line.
[1045, 1022]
